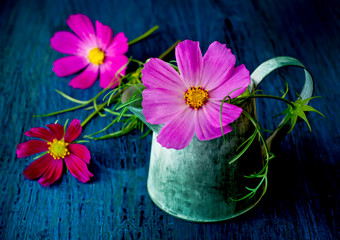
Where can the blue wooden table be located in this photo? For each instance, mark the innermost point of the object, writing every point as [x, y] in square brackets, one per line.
[302, 201]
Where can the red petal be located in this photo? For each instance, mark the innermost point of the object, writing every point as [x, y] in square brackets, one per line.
[38, 167]
[73, 131]
[78, 168]
[57, 130]
[40, 132]
[53, 173]
[81, 151]
[31, 147]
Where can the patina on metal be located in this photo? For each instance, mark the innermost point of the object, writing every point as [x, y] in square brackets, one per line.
[198, 183]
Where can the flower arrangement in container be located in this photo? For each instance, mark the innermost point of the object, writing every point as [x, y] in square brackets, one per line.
[209, 160]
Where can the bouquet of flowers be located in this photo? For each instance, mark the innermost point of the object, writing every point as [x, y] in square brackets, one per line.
[195, 96]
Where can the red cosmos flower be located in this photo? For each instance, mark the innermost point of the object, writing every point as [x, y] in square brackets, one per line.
[58, 147]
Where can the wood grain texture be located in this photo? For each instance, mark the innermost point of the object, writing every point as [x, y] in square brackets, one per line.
[302, 201]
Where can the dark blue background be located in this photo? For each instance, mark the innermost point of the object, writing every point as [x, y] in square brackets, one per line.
[302, 201]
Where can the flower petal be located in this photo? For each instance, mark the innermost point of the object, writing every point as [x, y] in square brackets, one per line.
[83, 27]
[204, 129]
[178, 132]
[68, 43]
[69, 65]
[86, 79]
[53, 173]
[57, 130]
[38, 167]
[218, 64]
[160, 105]
[81, 151]
[158, 74]
[73, 131]
[189, 61]
[31, 147]
[118, 45]
[104, 35]
[229, 113]
[40, 132]
[239, 80]
[111, 70]
[78, 168]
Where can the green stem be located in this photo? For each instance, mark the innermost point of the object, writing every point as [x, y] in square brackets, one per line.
[124, 131]
[169, 50]
[61, 111]
[98, 109]
[145, 35]
[269, 96]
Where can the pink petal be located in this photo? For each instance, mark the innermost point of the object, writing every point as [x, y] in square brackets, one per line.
[118, 45]
[31, 147]
[158, 74]
[83, 27]
[81, 151]
[160, 105]
[104, 35]
[218, 64]
[53, 173]
[40, 132]
[73, 131]
[239, 80]
[57, 130]
[229, 113]
[190, 63]
[78, 168]
[111, 70]
[204, 129]
[68, 43]
[178, 132]
[69, 65]
[85, 79]
[38, 167]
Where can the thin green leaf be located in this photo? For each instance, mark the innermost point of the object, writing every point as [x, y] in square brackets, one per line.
[61, 111]
[81, 141]
[116, 113]
[303, 116]
[40, 155]
[146, 134]
[250, 141]
[122, 113]
[144, 35]
[116, 134]
[102, 130]
[129, 102]
[71, 98]
[307, 108]
[293, 122]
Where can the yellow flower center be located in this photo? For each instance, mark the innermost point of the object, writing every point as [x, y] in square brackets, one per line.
[58, 149]
[196, 97]
[96, 56]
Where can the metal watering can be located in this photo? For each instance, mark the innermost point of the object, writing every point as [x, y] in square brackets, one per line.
[197, 183]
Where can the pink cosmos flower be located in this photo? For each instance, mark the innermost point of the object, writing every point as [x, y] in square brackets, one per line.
[58, 147]
[188, 102]
[97, 52]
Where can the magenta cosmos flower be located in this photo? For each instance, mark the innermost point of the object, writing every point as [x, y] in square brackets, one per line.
[188, 102]
[97, 52]
[58, 147]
